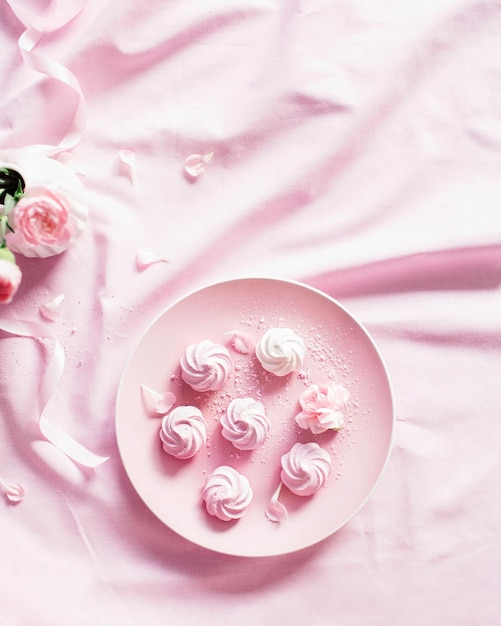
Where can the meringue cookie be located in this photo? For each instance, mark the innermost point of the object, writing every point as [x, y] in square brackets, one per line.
[227, 493]
[206, 366]
[305, 468]
[281, 351]
[245, 423]
[183, 432]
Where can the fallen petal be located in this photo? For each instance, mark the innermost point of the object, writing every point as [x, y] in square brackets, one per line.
[146, 257]
[162, 402]
[128, 159]
[240, 342]
[195, 163]
[52, 309]
[276, 511]
[14, 492]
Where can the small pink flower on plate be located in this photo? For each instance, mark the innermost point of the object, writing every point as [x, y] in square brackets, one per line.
[195, 164]
[322, 407]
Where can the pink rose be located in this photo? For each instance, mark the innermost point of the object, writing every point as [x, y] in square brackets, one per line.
[322, 407]
[52, 212]
[43, 216]
[10, 279]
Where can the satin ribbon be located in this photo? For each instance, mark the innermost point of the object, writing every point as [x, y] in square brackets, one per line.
[57, 437]
[37, 26]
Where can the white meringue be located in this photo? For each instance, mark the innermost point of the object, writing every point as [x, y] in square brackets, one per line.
[183, 432]
[206, 366]
[245, 423]
[305, 468]
[227, 493]
[281, 351]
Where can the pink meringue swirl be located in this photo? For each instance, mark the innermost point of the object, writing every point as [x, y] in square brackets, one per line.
[183, 432]
[281, 351]
[245, 423]
[305, 468]
[227, 493]
[206, 366]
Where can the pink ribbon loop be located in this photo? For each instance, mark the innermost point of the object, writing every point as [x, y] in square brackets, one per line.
[37, 26]
[56, 436]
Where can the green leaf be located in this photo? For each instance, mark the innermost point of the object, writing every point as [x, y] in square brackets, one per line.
[3, 226]
[9, 203]
[19, 191]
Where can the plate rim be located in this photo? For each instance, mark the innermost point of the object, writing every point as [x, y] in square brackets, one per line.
[249, 279]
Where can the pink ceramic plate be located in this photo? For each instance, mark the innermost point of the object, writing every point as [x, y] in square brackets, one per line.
[337, 348]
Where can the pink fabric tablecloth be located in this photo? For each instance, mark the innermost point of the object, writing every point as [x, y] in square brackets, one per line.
[357, 148]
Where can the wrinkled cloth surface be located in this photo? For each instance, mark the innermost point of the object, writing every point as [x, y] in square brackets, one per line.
[357, 149]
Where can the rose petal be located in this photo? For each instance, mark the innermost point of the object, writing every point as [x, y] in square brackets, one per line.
[276, 511]
[341, 395]
[146, 257]
[162, 402]
[128, 159]
[240, 342]
[195, 163]
[14, 492]
[52, 309]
